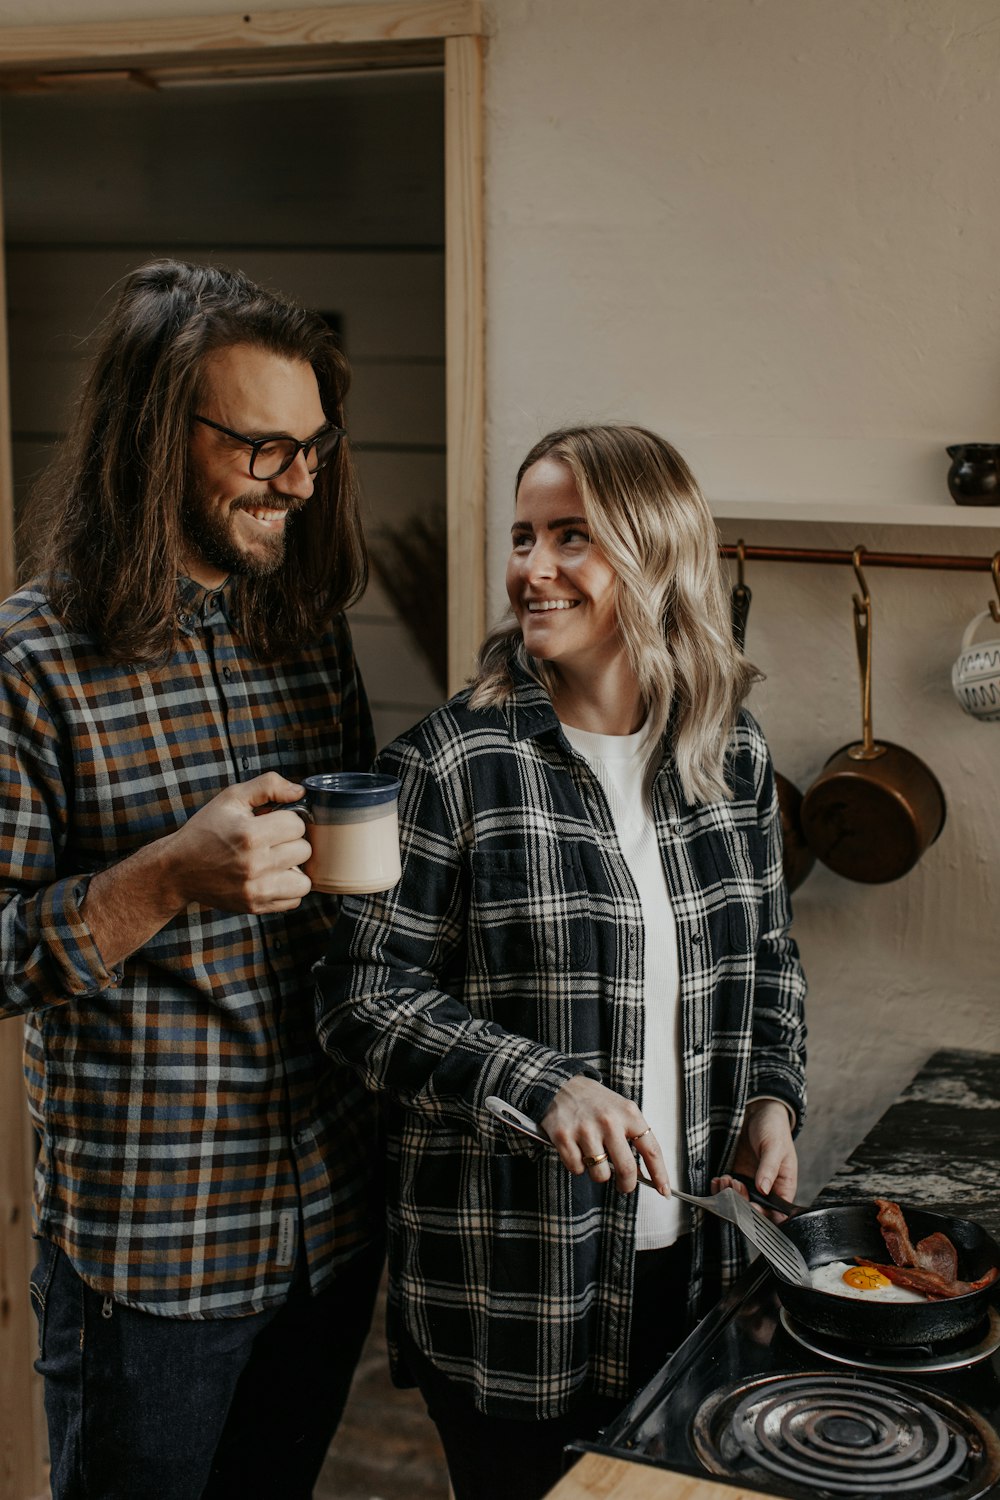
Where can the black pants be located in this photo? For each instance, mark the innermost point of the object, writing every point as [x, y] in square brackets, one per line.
[497, 1458]
[140, 1406]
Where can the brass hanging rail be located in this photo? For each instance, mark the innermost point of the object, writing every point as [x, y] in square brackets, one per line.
[872, 559]
[742, 553]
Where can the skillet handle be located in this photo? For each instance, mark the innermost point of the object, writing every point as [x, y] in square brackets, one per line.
[767, 1200]
[741, 613]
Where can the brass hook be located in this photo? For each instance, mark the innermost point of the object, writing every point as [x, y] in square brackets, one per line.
[741, 554]
[995, 570]
[867, 750]
[864, 603]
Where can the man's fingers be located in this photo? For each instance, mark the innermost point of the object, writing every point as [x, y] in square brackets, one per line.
[269, 788]
[282, 890]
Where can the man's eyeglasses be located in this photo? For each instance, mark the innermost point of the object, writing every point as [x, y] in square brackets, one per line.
[271, 456]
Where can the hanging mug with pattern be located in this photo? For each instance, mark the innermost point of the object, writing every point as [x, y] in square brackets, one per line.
[975, 677]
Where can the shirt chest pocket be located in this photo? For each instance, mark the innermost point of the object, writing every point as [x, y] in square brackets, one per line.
[530, 910]
[734, 907]
[299, 750]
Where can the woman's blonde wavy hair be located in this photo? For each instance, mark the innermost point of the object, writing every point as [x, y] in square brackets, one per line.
[653, 525]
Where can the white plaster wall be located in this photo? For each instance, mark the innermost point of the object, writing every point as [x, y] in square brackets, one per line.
[769, 228]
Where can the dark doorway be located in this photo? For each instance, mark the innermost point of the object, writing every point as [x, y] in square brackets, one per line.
[330, 189]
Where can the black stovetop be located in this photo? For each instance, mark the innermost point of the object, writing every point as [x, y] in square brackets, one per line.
[938, 1145]
[743, 1342]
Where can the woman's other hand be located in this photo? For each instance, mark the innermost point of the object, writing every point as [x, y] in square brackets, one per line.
[765, 1150]
[597, 1130]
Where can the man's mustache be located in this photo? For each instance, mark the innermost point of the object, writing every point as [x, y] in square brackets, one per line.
[266, 502]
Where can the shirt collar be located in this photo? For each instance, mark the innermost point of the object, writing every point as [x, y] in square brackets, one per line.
[529, 707]
[197, 606]
[530, 714]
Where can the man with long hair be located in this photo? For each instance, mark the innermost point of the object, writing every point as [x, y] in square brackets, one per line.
[205, 1204]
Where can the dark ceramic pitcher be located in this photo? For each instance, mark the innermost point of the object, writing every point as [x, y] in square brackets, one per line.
[974, 476]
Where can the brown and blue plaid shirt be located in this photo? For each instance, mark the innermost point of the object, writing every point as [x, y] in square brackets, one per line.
[193, 1137]
[508, 959]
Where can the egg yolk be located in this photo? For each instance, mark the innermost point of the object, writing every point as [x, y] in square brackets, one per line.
[865, 1279]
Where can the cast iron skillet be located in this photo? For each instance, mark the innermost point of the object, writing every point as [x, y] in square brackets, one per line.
[846, 1230]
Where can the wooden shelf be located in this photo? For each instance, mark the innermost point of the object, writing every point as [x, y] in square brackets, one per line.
[854, 513]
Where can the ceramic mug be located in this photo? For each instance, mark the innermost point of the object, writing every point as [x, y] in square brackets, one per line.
[352, 826]
[975, 677]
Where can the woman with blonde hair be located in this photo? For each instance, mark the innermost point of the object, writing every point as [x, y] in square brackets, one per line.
[592, 923]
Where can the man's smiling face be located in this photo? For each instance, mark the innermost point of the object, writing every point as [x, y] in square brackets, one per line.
[234, 523]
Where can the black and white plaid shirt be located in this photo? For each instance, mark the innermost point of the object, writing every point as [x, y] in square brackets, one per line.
[508, 959]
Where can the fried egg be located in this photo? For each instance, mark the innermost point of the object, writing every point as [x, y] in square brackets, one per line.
[862, 1282]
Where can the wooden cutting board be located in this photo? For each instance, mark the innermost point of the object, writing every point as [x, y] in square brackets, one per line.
[596, 1477]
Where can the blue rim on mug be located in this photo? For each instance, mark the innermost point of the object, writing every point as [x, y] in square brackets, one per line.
[352, 788]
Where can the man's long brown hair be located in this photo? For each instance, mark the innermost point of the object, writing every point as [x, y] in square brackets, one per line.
[105, 522]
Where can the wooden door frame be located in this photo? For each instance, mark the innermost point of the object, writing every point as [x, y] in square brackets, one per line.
[376, 35]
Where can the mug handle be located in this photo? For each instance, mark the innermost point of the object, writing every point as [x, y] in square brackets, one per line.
[972, 627]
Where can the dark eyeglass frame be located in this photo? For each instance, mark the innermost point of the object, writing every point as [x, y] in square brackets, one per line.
[300, 446]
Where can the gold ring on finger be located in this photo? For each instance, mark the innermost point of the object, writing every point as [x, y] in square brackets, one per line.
[593, 1161]
[639, 1137]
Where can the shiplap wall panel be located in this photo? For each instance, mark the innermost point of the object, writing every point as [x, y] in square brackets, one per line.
[401, 405]
[394, 671]
[397, 485]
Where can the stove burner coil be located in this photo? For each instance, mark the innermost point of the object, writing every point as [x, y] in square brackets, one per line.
[839, 1435]
[804, 1429]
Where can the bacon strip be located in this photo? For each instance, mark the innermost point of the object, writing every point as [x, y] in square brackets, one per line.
[930, 1266]
[937, 1253]
[929, 1282]
[895, 1232]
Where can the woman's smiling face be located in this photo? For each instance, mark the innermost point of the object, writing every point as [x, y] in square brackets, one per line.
[560, 585]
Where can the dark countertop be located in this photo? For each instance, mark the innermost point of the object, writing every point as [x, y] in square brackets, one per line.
[938, 1146]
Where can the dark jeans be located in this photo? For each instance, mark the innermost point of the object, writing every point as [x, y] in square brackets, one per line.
[497, 1458]
[150, 1408]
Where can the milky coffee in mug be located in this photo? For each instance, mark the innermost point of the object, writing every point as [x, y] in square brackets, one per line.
[352, 826]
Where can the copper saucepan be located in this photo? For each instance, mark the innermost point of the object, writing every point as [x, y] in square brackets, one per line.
[875, 807]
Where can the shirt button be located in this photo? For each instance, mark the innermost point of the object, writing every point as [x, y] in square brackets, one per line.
[217, 601]
[227, 674]
[695, 936]
[277, 945]
[245, 762]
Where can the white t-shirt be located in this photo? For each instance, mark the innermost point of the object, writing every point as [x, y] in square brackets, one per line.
[619, 763]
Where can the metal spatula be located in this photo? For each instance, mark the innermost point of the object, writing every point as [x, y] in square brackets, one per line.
[778, 1251]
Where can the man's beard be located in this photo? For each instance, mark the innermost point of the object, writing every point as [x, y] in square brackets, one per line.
[211, 534]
